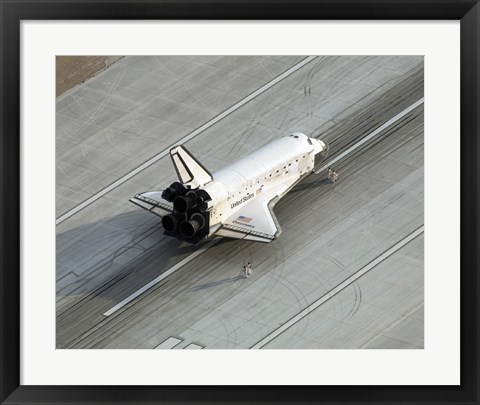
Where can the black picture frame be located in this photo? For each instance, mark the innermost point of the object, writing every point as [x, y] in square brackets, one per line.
[13, 12]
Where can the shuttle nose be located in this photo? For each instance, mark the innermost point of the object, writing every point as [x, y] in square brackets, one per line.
[319, 146]
[322, 152]
[325, 147]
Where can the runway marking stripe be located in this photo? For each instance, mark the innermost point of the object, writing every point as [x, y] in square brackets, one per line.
[371, 135]
[193, 346]
[162, 276]
[193, 134]
[169, 343]
[302, 314]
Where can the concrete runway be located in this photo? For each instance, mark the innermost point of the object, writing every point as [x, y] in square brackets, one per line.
[347, 271]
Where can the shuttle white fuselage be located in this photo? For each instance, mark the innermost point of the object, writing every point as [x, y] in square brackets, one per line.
[237, 200]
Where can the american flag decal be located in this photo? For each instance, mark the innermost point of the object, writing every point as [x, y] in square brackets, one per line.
[244, 219]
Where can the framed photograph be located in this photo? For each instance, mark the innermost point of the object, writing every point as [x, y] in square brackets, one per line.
[289, 188]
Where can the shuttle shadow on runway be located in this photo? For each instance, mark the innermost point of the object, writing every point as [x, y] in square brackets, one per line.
[215, 283]
[313, 182]
[115, 256]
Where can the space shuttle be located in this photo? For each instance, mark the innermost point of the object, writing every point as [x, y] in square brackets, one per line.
[236, 201]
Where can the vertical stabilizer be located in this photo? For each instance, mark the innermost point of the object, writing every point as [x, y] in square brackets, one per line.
[189, 170]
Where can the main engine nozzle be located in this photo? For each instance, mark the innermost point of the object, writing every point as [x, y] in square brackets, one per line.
[171, 221]
[176, 189]
[185, 202]
[188, 229]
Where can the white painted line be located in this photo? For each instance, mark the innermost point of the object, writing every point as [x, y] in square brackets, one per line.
[162, 276]
[302, 314]
[170, 343]
[194, 346]
[371, 135]
[193, 134]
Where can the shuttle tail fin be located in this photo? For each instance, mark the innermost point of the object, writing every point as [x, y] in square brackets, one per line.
[189, 170]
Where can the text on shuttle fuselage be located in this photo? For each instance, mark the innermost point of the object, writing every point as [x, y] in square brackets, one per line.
[242, 200]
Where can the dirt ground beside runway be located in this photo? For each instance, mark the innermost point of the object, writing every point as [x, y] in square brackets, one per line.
[73, 70]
